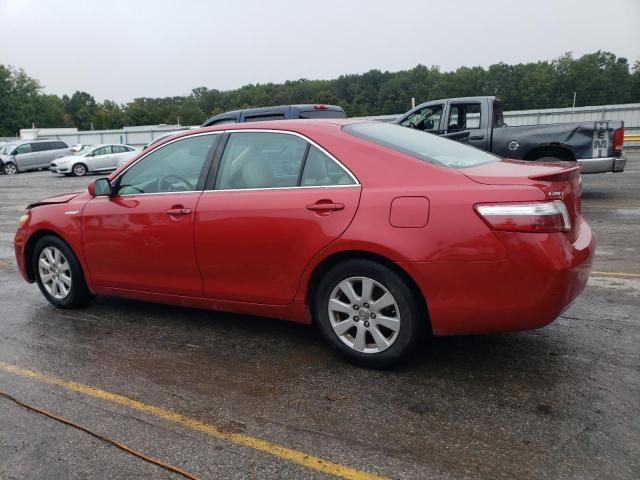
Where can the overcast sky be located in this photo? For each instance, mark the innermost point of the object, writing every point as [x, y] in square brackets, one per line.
[120, 50]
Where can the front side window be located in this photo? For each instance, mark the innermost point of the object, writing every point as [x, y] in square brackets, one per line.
[24, 148]
[430, 148]
[101, 151]
[174, 167]
[261, 160]
[426, 119]
[463, 116]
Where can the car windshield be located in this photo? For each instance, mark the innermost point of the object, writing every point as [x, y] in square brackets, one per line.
[84, 150]
[7, 148]
[421, 145]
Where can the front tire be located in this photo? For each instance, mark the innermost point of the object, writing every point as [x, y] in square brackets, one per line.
[10, 168]
[79, 170]
[368, 314]
[59, 274]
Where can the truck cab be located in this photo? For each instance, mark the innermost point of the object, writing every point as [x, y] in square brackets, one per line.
[479, 121]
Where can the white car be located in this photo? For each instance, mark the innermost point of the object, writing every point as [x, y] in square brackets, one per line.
[95, 158]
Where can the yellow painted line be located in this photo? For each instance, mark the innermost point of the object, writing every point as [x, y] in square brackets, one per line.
[615, 274]
[288, 454]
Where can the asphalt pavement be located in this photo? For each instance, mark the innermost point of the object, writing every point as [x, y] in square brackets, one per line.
[231, 396]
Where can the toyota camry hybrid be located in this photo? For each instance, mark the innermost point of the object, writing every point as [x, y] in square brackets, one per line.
[376, 233]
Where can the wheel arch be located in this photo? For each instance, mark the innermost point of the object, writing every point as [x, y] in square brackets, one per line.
[30, 246]
[557, 150]
[335, 258]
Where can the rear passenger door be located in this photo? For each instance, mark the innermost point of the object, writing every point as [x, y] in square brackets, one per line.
[276, 201]
[118, 152]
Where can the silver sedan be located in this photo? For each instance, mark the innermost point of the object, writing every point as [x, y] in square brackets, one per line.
[95, 158]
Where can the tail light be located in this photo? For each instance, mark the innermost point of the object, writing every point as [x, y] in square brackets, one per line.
[618, 139]
[534, 217]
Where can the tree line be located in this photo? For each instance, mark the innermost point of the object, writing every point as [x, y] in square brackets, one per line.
[598, 78]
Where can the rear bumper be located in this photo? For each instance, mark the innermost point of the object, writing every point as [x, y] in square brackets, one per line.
[543, 274]
[602, 165]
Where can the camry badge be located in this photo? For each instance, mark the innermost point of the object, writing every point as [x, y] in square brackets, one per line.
[71, 212]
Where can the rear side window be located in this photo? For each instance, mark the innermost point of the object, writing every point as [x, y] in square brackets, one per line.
[261, 160]
[58, 145]
[321, 170]
[463, 116]
[421, 145]
[323, 114]
[119, 149]
[262, 118]
[41, 146]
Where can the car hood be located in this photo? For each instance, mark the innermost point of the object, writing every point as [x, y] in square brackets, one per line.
[66, 158]
[56, 199]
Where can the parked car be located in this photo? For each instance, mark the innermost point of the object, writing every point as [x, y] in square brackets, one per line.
[28, 155]
[95, 158]
[478, 121]
[374, 232]
[280, 112]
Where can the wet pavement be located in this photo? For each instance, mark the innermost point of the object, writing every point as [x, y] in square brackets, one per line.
[560, 402]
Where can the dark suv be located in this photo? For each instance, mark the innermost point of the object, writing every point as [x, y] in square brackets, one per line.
[280, 112]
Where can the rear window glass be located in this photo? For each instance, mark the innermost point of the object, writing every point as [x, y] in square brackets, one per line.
[421, 145]
[323, 114]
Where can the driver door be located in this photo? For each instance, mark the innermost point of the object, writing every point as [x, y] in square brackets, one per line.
[100, 160]
[141, 238]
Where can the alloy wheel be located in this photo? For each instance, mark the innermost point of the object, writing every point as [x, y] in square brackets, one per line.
[364, 315]
[10, 169]
[55, 272]
[79, 170]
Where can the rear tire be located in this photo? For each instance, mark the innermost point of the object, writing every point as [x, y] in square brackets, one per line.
[10, 168]
[59, 274]
[366, 334]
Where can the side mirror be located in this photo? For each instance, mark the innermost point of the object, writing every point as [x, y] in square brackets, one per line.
[100, 188]
[429, 125]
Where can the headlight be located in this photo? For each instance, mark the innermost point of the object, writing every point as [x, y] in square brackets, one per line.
[23, 219]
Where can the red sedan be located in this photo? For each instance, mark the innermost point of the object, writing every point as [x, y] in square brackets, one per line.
[376, 233]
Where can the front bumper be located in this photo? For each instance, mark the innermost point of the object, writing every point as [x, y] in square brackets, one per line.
[543, 274]
[602, 165]
[55, 168]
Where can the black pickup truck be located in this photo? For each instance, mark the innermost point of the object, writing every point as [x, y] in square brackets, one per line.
[479, 121]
